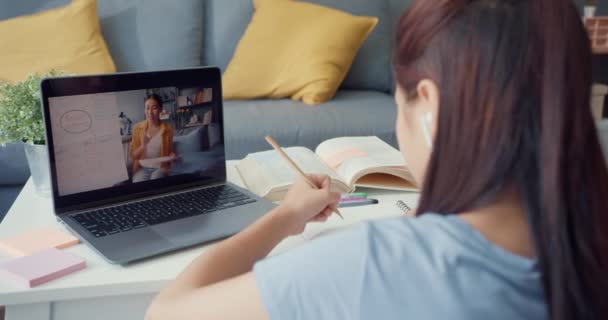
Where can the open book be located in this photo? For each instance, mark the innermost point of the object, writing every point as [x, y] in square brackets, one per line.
[349, 161]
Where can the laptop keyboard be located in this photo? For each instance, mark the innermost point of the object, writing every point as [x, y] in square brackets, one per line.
[109, 221]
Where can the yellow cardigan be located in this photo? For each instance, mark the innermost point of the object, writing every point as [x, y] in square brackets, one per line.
[166, 146]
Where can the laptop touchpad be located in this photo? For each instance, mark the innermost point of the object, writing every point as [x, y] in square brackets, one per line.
[197, 229]
[132, 245]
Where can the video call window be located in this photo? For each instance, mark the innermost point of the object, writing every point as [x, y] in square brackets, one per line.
[118, 138]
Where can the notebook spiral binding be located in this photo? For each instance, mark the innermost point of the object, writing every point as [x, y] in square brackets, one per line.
[404, 207]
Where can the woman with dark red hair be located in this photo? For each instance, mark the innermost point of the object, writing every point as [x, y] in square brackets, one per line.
[494, 121]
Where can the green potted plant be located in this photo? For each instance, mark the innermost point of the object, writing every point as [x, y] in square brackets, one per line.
[21, 122]
[590, 7]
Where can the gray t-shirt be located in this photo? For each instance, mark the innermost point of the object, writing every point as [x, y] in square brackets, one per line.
[431, 267]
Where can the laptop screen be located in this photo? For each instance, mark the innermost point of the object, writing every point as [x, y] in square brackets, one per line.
[142, 140]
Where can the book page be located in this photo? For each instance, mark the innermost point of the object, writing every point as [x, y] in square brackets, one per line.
[87, 143]
[386, 181]
[266, 172]
[355, 157]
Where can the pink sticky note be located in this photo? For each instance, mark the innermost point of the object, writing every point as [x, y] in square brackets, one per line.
[37, 240]
[40, 267]
[335, 159]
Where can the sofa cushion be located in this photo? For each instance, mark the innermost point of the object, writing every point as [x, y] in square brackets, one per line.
[12, 9]
[350, 113]
[300, 60]
[8, 194]
[602, 8]
[70, 36]
[140, 39]
[371, 68]
[189, 141]
[226, 21]
[136, 31]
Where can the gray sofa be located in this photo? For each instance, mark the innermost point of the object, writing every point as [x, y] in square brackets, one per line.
[160, 34]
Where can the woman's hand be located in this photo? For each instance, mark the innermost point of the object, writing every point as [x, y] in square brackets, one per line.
[173, 157]
[304, 204]
[145, 139]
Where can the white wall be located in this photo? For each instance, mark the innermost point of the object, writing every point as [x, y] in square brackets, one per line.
[132, 104]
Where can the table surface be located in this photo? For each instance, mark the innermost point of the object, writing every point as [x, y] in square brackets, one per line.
[31, 211]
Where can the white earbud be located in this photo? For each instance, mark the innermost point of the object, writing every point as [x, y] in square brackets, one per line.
[425, 122]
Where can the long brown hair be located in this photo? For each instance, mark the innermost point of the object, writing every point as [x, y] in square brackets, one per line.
[515, 79]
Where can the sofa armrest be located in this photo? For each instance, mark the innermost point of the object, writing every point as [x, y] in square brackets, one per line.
[8, 194]
[13, 165]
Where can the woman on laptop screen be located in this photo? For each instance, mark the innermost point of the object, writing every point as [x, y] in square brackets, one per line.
[152, 143]
[493, 118]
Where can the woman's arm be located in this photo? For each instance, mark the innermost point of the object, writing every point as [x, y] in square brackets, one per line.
[138, 143]
[139, 152]
[221, 278]
[193, 294]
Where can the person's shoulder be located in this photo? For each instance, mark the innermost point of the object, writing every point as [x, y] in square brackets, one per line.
[408, 241]
[423, 225]
[428, 222]
[441, 258]
[167, 127]
[424, 236]
[140, 125]
[446, 240]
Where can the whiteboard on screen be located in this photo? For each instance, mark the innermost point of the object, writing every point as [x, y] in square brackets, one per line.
[87, 143]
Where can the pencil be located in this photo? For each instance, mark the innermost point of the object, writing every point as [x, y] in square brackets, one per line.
[294, 166]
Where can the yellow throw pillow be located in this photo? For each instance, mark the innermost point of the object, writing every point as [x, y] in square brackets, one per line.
[66, 39]
[295, 49]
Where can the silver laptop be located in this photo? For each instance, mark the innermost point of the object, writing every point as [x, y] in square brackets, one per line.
[138, 164]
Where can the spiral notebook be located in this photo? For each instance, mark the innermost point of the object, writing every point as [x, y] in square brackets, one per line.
[403, 207]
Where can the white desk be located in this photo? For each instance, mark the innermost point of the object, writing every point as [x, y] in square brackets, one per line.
[106, 291]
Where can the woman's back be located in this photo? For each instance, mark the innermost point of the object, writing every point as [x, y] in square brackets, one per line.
[432, 267]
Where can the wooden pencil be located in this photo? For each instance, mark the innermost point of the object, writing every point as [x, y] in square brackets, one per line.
[293, 165]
